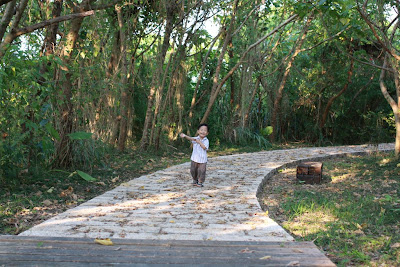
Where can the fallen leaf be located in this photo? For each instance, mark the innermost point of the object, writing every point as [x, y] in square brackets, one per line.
[359, 232]
[293, 263]
[265, 258]
[395, 245]
[105, 242]
[246, 250]
[67, 192]
[47, 202]
[297, 250]
[50, 190]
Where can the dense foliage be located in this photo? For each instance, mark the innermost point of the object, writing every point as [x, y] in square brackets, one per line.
[136, 73]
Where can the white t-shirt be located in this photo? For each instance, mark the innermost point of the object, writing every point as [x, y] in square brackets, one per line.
[199, 154]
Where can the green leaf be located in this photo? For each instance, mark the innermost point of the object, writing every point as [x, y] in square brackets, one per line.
[53, 132]
[344, 21]
[80, 136]
[321, 2]
[85, 176]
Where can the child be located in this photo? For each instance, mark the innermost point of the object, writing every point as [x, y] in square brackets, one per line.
[199, 154]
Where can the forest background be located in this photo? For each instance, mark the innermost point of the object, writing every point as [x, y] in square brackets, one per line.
[78, 78]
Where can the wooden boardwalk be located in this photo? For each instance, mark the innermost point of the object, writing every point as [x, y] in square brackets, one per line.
[64, 251]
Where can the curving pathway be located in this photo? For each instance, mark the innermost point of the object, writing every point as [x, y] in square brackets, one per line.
[165, 206]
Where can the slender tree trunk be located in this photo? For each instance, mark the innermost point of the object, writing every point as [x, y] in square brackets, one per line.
[6, 18]
[214, 90]
[203, 67]
[395, 106]
[109, 97]
[156, 127]
[279, 93]
[156, 82]
[232, 80]
[247, 114]
[17, 18]
[396, 111]
[63, 156]
[125, 96]
[50, 40]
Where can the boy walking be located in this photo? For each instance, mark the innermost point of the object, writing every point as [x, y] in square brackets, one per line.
[199, 154]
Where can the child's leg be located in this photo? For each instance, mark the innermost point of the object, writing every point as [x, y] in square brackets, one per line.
[201, 172]
[193, 171]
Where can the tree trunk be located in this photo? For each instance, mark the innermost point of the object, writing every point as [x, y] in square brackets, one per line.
[6, 18]
[64, 156]
[390, 52]
[279, 93]
[214, 90]
[51, 37]
[157, 77]
[232, 80]
[247, 114]
[17, 18]
[395, 106]
[203, 67]
[125, 96]
[156, 127]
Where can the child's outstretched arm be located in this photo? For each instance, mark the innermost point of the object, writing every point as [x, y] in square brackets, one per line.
[193, 139]
[182, 135]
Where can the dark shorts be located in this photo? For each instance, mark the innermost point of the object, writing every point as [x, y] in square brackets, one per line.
[198, 171]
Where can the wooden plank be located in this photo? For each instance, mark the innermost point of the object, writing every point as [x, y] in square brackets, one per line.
[273, 261]
[74, 240]
[72, 251]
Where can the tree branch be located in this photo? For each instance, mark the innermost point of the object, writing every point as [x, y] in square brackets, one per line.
[370, 64]
[21, 31]
[371, 26]
[326, 40]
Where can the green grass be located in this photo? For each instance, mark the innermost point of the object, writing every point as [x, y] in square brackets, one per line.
[354, 215]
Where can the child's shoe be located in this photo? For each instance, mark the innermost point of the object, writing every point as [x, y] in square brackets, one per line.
[200, 184]
[194, 183]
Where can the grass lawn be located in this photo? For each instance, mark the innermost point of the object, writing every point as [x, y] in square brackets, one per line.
[354, 215]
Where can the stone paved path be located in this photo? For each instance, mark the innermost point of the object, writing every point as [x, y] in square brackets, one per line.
[164, 205]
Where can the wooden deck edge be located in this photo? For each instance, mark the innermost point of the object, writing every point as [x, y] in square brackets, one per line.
[38, 251]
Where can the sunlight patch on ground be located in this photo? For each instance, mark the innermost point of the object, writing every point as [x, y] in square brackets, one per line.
[341, 178]
[310, 223]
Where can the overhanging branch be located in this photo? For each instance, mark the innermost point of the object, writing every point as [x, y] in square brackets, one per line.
[21, 31]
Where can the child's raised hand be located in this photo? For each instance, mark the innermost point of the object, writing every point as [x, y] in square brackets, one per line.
[182, 135]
